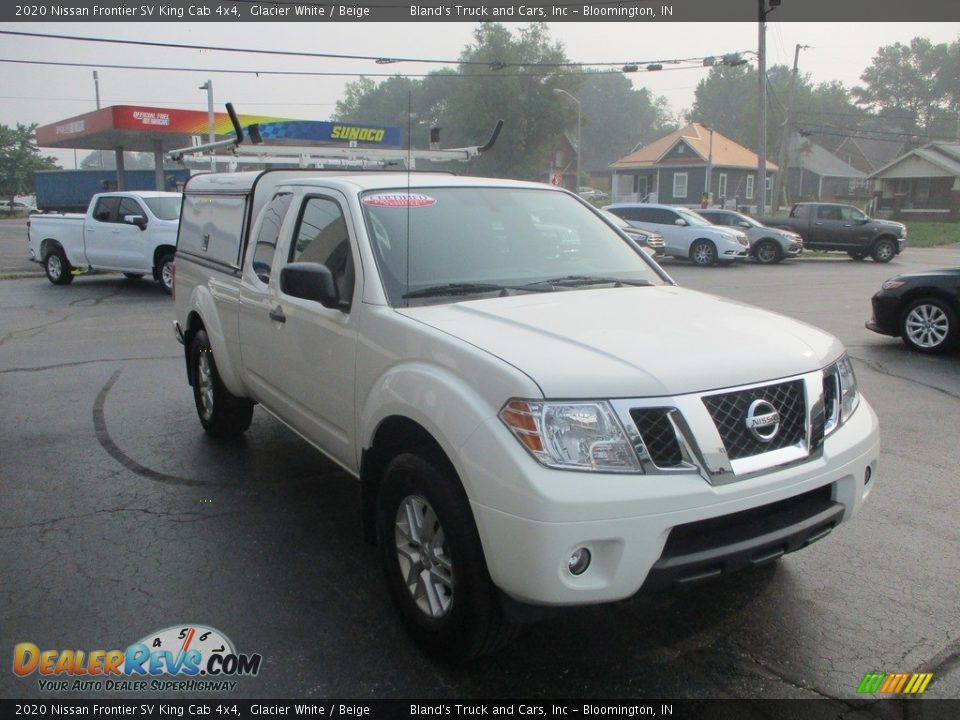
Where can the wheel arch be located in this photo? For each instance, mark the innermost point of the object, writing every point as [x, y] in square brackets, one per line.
[394, 435]
[193, 325]
[885, 236]
[205, 313]
[160, 251]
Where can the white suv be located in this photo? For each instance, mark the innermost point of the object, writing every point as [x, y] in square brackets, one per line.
[686, 234]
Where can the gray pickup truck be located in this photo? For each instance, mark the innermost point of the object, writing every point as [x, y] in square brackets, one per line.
[831, 226]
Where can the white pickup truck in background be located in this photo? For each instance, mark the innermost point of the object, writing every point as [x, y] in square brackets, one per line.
[130, 232]
[537, 414]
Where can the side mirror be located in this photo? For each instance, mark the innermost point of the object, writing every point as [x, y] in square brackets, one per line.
[681, 222]
[310, 281]
[139, 220]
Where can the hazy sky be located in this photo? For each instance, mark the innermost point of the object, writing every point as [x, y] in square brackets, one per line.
[44, 94]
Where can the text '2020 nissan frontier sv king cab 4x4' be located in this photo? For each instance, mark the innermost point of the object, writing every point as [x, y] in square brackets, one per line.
[537, 413]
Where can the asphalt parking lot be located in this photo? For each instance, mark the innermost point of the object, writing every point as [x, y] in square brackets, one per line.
[119, 517]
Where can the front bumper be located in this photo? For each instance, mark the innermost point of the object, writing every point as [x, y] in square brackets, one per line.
[886, 316]
[627, 522]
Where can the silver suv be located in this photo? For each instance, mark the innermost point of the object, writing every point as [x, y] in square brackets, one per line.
[767, 245]
[686, 234]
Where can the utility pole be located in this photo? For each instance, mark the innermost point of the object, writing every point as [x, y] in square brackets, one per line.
[782, 159]
[760, 188]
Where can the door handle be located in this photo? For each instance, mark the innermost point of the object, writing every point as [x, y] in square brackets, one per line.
[277, 314]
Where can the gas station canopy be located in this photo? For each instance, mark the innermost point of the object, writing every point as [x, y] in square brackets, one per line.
[138, 129]
[125, 128]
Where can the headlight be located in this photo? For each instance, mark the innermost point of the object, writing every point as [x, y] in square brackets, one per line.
[840, 394]
[571, 435]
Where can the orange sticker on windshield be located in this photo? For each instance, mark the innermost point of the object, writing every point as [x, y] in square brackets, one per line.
[399, 200]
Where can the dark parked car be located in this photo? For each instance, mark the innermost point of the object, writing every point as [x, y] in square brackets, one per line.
[921, 308]
[647, 239]
[830, 226]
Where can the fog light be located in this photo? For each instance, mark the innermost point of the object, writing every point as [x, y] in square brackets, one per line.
[579, 561]
[866, 475]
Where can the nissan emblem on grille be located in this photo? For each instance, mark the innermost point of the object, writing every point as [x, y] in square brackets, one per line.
[763, 420]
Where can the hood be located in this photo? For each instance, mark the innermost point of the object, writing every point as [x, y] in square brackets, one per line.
[633, 342]
[887, 223]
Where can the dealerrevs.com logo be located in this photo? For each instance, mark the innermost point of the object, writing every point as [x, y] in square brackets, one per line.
[185, 658]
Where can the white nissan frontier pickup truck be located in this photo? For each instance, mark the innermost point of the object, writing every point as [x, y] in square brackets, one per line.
[537, 414]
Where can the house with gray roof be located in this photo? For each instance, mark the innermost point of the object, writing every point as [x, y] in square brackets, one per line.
[814, 173]
[923, 183]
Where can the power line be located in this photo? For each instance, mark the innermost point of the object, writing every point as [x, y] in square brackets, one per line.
[317, 73]
[380, 59]
[871, 134]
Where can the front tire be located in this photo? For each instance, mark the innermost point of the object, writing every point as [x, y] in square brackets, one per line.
[883, 250]
[433, 561]
[703, 253]
[165, 273]
[768, 252]
[57, 267]
[222, 414]
[930, 326]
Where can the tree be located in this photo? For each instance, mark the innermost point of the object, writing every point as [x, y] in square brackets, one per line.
[468, 100]
[726, 100]
[914, 85]
[616, 118]
[521, 94]
[19, 158]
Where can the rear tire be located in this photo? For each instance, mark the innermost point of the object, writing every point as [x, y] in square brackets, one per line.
[433, 561]
[222, 414]
[57, 267]
[768, 252]
[703, 253]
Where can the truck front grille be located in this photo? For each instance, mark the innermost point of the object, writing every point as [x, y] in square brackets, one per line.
[658, 436]
[729, 413]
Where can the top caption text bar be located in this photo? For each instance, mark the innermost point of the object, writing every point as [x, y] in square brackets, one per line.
[472, 11]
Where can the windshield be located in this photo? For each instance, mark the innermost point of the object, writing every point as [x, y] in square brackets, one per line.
[691, 217]
[747, 219]
[165, 208]
[483, 240]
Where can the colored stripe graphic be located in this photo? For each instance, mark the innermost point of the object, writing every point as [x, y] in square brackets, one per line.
[894, 683]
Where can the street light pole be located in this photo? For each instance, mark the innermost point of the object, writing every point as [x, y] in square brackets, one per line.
[579, 136]
[211, 126]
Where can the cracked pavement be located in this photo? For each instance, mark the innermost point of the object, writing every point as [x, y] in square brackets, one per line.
[118, 517]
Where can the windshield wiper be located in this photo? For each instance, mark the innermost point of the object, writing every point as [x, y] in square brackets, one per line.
[449, 289]
[583, 280]
[453, 289]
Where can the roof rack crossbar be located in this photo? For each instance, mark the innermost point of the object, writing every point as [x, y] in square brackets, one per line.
[306, 155]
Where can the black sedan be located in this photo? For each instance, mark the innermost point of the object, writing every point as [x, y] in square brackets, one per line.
[648, 239]
[922, 308]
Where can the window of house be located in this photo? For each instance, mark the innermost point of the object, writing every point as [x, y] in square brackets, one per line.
[679, 185]
[749, 190]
